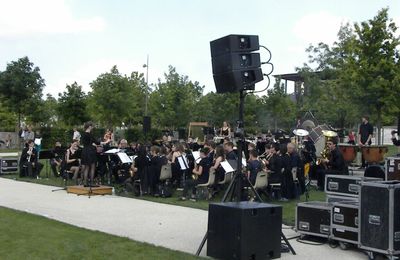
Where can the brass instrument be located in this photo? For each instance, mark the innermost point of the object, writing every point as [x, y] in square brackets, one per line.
[29, 154]
[325, 154]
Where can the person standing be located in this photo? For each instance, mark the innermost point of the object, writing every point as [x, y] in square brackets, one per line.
[364, 136]
[88, 157]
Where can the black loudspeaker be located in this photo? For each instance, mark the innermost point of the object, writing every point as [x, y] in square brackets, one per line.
[235, 66]
[235, 61]
[379, 217]
[244, 230]
[146, 124]
[237, 80]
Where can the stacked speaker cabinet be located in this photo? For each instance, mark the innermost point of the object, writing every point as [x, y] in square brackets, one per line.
[244, 230]
[380, 217]
[344, 222]
[235, 65]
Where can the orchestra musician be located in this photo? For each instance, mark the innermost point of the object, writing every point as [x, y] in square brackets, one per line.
[225, 130]
[55, 162]
[229, 151]
[254, 166]
[156, 162]
[141, 166]
[29, 161]
[273, 162]
[89, 156]
[334, 165]
[201, 170]
[72, 161]
[217, 167]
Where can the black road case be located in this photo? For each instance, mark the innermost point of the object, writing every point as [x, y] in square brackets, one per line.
[345, 185]
[392, 168]
[8, 165]
[380, 217]
[344, 222]
[345, 214]
[314, 218]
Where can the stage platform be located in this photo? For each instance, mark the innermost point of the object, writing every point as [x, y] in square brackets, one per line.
[82, 190]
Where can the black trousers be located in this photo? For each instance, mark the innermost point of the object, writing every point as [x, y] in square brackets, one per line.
[31, 169]
[190, 184]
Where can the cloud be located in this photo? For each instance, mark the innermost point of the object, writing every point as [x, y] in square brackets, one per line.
[318, 27]
[26, 17]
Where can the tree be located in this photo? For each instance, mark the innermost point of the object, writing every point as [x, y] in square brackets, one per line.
[278, 107]
[173, 102]
[363, 72]
[21, 87]
[71, 106]
[377, 66]
[113, 99]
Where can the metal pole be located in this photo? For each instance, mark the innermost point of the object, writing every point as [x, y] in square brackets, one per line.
[147, 85]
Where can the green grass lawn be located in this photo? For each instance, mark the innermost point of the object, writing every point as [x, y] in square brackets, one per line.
[27, 236]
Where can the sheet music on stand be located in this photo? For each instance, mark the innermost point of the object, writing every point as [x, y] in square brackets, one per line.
[183, 163]
[124, 158]
[227, 167]
[112, 151]
[196, 156]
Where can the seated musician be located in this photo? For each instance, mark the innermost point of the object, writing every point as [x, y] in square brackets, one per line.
[253, 166]
[200, 173]
[55, 162]
[29, 161]
[229, 151]
[273, 163]
[334, 165]
[120, 170]
[210, 144]
[156, 162]
[72, 160]
[225, 130]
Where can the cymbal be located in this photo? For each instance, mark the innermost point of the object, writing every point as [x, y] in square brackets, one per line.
[329, 133]
[300, 132]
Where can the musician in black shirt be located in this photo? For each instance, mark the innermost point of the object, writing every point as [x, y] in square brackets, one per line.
[364, 136]
[55, 162]
[201, 173]
[334, 165]
[29, 161]
[229, 152]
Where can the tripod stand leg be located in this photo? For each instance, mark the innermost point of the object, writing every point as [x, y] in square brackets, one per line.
[288, 244]
[202, 244]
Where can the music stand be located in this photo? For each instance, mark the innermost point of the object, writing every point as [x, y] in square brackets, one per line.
[46, 155]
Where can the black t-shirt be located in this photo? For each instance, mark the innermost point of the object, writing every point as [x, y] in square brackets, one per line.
[205, 163]
[231, 156]
[336, 161]
[365, 131]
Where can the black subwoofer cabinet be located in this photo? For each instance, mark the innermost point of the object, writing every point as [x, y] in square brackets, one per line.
[380, 217]
[244, 230]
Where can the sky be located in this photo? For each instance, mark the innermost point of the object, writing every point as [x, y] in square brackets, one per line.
[72, 40]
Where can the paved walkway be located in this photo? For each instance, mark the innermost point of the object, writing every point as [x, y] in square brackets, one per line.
[165, 225]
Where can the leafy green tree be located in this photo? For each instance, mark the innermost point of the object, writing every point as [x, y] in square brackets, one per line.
[8, 118]
[21, 87]
[277, 109]
[72, 104]
[113, 99]
[46, 113]
[363, 72]
[172, 102]
[377, 66]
